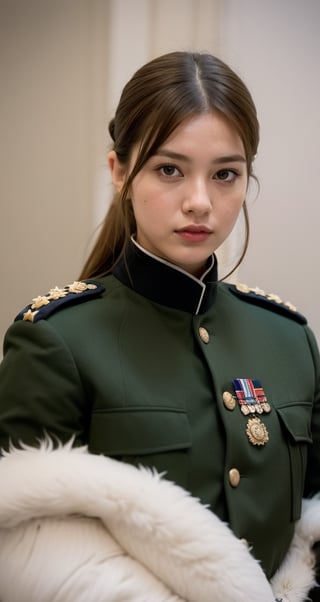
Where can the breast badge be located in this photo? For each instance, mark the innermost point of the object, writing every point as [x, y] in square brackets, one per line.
[252, 401]
[257, 432]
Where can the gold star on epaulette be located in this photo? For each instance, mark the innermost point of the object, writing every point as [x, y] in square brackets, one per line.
[242, 288]
[39, 301]
[273, 297]
[290, 306]
[29, 315]
[56, 293]
[80, 287]
[258, 291]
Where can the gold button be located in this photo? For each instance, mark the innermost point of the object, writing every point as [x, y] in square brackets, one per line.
[228, 400]
[204, 335]
[234, 477]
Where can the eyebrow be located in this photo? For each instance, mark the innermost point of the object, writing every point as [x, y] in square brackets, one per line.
[223, 159]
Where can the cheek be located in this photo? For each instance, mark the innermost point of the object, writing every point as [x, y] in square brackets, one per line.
[231, 210]
[140, 197]
[229, 216]
[145, 203]
[144, 211]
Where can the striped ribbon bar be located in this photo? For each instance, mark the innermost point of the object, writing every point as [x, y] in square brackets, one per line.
[249, 392]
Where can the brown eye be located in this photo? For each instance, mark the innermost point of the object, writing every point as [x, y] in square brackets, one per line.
[169, 170]
[226, 175]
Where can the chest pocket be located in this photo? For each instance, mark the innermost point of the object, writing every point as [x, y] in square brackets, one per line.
[296, 423]
[156, 438]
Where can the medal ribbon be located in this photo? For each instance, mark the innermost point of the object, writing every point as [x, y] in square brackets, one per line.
[252, 400]
[248, 391]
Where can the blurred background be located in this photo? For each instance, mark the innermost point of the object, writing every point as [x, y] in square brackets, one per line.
[63, 64]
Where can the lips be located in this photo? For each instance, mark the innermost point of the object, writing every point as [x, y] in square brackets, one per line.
[194, 233]
[195, 229]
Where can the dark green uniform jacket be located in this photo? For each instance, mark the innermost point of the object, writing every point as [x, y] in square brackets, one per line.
[142, 368]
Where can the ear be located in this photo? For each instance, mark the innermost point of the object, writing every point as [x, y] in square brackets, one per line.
[117, 169]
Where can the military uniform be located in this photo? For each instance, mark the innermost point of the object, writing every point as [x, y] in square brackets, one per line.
[152, 366]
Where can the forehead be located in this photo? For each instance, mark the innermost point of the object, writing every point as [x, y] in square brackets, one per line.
[209, 131]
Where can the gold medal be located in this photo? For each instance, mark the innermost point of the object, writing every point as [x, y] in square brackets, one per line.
[266, 407]
[257, 432]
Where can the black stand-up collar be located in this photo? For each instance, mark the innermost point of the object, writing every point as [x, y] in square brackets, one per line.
[165, 283]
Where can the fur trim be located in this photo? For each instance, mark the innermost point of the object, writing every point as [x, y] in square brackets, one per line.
[132, 520]
[296, 576]
[72, 559]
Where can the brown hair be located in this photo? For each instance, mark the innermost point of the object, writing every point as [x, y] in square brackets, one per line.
[155, 101]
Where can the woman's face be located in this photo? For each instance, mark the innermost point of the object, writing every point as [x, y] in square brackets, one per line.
[187, 197]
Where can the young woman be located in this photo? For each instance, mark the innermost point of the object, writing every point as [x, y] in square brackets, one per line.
[151, 361]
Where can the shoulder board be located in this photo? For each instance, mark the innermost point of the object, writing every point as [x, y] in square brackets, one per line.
[44, 305]
[267, 300]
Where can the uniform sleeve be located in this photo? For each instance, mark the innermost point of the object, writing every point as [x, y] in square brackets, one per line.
[312, 485]
[40, 388]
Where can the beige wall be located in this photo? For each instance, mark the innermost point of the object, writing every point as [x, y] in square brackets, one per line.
[63, 64]
[275, 46]
[53, 69]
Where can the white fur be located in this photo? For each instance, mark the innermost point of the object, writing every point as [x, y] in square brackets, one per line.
[72, 559]
[295, 577]
[80, 527]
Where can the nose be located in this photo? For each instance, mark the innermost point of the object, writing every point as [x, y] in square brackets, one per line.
[197, 199]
